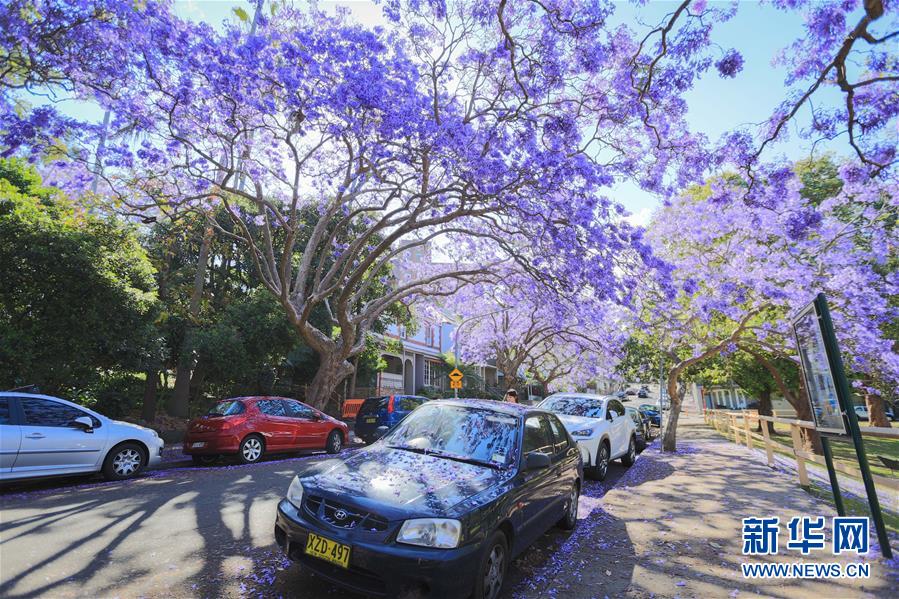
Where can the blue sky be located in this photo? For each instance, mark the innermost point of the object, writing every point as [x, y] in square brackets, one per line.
[716, 105]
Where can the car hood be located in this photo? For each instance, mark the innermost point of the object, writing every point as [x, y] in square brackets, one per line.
[575, 423]
[400, 483]
[136, 428]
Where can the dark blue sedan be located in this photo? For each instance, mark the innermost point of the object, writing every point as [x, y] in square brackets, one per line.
[439, 506]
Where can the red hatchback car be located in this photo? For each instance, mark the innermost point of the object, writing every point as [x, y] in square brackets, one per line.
[252, 426]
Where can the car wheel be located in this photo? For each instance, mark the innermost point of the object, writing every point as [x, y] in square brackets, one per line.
[493, 568]
[335, 442]
[569, 520]
[251, 449]
[124, 461]
[203, 460]
[630, 457]
[601, 468]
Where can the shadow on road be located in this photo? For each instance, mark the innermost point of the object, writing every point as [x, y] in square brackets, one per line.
[207, 532]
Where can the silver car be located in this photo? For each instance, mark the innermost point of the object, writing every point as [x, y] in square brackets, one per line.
[47, 436]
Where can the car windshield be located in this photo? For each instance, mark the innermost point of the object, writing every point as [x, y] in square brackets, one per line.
[228, 407]
[459, 432]
[586, 407]
[648, 407]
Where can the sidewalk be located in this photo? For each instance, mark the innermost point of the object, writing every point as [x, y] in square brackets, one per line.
[672, 528]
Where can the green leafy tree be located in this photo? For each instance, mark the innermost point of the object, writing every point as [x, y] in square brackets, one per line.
[77, 298]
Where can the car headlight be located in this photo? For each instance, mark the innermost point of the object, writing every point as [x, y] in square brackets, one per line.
[295, 493]
[431, 532]
[584, 432]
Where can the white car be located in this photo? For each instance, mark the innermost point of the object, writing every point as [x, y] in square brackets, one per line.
[862, 412]
[599, 425]
[47, 436]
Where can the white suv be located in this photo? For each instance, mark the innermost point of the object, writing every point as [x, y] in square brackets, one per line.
[47, 436]
[599, 425]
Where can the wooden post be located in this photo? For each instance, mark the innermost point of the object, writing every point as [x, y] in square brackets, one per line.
[768, 448]
[733, 424]
[747, 430]
[800, 461]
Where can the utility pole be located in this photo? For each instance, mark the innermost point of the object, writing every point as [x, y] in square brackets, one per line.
[661, 394]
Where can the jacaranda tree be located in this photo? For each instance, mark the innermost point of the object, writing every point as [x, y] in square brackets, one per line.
[490, 131]
[742, 270]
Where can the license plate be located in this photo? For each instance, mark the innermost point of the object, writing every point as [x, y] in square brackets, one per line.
[328, 550]
[370, 420]
[198, 444]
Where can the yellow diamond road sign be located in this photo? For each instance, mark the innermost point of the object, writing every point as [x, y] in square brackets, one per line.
[455, 375]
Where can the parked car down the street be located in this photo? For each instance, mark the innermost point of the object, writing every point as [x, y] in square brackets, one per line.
[651, 412]
[642, 394]
[42, 436]
[861, 411]
[440, 505]
[599, 425]
[642, 428]
[377, 415]
[250, 427]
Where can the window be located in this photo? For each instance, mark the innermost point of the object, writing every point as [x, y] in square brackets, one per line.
[372, 405]
[574, 406]
[537, 436]
[635, 416]
[43, 412]
[615, 409]
[5, 415]
[297, 410]
[271, 407]
[559, 435]
[407, 404]
[480, 435]
[432, 374]
[228, 407]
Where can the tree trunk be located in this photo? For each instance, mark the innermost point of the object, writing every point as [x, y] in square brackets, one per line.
[877, 415]
[811, 440]
[331, 372]
[197, 379]
[352, 392]
[179, 405]
[765, 409]
[675, 397]
[148, 408]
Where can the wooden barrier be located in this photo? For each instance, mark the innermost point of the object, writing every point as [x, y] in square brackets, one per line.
[725, 422]
[351, 408]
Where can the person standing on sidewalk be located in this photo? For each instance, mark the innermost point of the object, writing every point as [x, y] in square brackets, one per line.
[511, 396]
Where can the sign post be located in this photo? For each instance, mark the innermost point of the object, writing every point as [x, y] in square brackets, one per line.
[455, 378]
[831, 402]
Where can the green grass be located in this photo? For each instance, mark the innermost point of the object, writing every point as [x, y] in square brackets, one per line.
[844, 451]
[855, 507]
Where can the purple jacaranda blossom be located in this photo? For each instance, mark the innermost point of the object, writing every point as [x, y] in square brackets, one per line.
[730, 64]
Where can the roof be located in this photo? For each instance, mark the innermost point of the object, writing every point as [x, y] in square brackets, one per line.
[497, 406]
[581, 395]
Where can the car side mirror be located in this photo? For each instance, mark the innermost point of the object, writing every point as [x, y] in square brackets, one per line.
[84, 423]
[536, 461]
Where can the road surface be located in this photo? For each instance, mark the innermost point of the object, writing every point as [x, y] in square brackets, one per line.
[179, 531]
